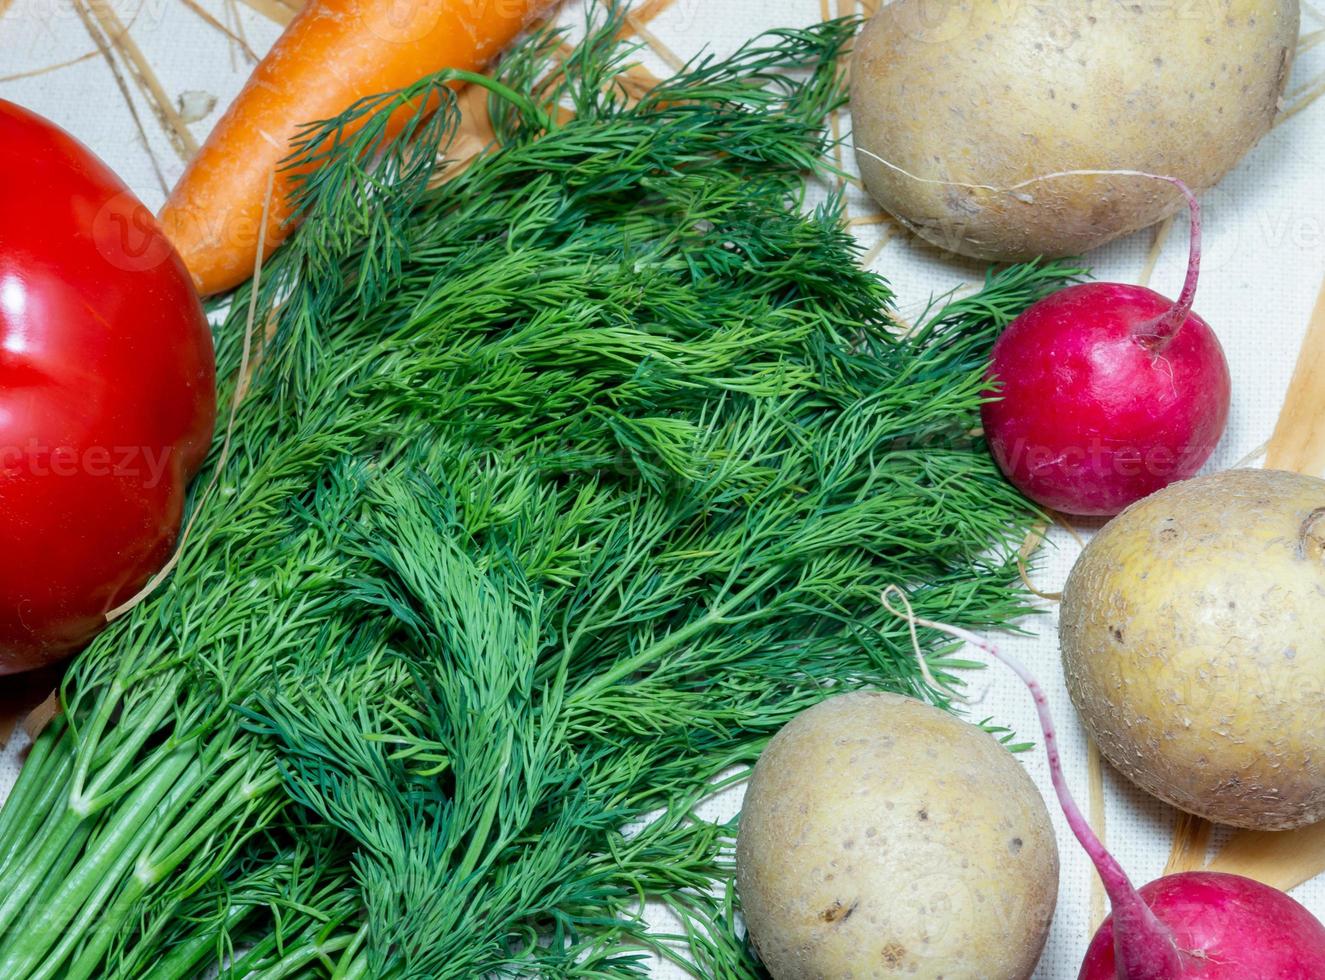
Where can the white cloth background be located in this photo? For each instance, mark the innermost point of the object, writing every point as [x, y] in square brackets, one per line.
[1265, 257]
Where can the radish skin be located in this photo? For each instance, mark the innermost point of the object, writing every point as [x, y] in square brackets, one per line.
[1235, 928]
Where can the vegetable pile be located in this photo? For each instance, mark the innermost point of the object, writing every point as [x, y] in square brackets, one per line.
[548, 496]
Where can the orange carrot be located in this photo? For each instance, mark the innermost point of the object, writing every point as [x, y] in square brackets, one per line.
[333, 53]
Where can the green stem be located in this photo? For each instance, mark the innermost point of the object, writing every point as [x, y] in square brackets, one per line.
[522, 102]
[30, 874]
[356, 969]
[125, 827]
[90, 919]
[246, 964]
[354, 963]
[299, 957]
[97, 796]
[73, 848]
[181, 963]
[43, 786]
[87, 741]
[180, 838]
[186, 823]
[478, 837]
[29, 783]
[652, 653]
[52, 962]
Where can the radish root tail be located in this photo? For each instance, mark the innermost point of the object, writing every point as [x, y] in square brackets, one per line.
[1146, 947]
[1312, 544]
[911, 621]
[1156, 334]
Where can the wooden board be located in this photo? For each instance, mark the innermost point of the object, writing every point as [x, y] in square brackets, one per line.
[1299, 439]
[1287, 859]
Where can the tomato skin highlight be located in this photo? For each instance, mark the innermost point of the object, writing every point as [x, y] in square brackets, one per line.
[107, 392]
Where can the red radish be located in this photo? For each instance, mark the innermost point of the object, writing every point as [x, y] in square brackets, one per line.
[1189, 926]
[1274, 937]
[1109, 392]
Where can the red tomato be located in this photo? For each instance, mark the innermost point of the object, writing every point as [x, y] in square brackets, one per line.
[107, 392]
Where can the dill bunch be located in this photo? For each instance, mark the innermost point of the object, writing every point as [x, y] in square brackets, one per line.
[554, 491]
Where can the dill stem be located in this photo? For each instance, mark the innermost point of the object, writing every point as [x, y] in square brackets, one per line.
[296, 959]
[67, 859]
[26, 945]
[197, 829]
[88, 741]
[181, 962]
[356, 969]
[186, 817]
[185, 823]
[43, 779]
[522, 102]
[247, 963]
[174, 818]
[53, 959]
[28, 782]
[119, 755]
[661, 648]
[63, 823]
[54, 838]
[354, 962]
[478, 841]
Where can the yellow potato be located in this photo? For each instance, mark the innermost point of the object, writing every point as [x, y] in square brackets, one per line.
[1193, 635]
[995, 92]
[882, 837]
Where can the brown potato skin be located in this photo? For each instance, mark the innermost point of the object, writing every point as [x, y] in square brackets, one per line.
[995, 92]
[1193, 638]
[882, 837]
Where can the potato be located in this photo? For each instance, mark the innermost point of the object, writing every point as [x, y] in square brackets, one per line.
[882, 837]
[1193, 635]
[993, 92]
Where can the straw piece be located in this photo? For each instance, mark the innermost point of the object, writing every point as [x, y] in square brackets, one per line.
[864, 220]
[42, 715]
[647, 11]
[1313, 91]
[668, 56]
[1191, 840]
[1284, 859]
[273, 10]
[1099, 899]
[1029, 545]
[1299, 439]
[47, 69]
[216, 25]
[145, 78]
[104, 49]
[1157, 241]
